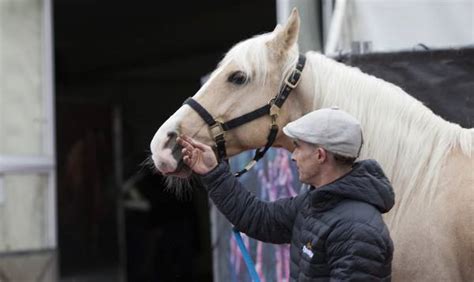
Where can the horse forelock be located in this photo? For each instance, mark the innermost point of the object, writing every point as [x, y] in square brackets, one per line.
[252, 57]
[411, 143]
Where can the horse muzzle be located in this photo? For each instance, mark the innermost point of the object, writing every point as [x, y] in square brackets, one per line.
[167, 157]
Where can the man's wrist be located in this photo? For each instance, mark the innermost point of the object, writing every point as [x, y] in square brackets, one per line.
[217, 169]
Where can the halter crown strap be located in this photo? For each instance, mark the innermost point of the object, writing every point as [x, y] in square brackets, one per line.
[291, 81]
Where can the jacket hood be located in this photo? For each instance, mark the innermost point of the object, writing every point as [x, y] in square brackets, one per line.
[366, 182]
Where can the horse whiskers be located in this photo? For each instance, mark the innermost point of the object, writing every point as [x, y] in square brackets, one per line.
[148, 163]
[182, 187]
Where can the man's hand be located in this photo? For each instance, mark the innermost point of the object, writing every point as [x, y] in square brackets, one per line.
[198, 156]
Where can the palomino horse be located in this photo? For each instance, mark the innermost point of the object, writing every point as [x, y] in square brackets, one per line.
[428, 160]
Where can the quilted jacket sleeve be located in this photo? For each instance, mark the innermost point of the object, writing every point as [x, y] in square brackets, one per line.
[357, 252]
[264, 221]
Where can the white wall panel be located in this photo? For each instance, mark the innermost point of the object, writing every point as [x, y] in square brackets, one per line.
[23, 215]
[402, 25]
[22, 118]
[27, 204]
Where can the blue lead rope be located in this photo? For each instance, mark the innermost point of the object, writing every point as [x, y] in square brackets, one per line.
[246, 256]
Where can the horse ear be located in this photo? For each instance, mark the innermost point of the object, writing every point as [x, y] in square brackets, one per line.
[277, 28]
[285, 37]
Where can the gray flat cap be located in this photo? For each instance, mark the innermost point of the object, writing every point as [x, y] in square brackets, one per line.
[332, 128]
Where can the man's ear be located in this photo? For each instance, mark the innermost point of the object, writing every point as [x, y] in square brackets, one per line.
[285, 37]
[322, 155]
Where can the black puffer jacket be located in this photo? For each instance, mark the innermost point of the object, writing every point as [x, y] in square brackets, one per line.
[336, 231]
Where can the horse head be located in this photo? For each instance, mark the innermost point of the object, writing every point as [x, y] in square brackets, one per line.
[248, 77]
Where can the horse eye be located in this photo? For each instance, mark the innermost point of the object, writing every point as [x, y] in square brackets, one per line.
[237, 77]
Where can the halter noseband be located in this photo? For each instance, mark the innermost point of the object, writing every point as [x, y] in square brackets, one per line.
[217, 128]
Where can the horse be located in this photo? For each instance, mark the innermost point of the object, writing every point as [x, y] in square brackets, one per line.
[427, 159]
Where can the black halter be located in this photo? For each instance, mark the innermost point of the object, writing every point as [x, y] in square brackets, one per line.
[218, 128]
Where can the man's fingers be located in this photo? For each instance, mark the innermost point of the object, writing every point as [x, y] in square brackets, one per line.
[191, 156]
[186, 145]
[194, 143]
[185, 152]
[187, 161]
[190, 160]
[183, 142]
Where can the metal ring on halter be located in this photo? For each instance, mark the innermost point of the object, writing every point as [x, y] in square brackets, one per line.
[295, 78]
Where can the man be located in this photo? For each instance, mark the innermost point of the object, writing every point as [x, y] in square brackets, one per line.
[335, 229]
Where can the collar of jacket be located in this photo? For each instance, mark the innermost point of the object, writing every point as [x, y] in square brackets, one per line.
[323, 201]
[322, 198]
[366, 182]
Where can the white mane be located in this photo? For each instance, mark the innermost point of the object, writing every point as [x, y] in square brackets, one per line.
[404, 136]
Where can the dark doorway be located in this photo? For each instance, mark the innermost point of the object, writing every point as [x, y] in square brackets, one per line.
[121, 69]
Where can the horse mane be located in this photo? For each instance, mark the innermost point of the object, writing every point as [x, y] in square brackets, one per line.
[404, 136]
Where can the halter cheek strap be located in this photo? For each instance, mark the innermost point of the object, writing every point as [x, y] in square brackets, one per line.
[218, 128]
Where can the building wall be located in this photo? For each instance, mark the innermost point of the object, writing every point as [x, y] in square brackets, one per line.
[27, 205]
[390, 26]
[310, 37]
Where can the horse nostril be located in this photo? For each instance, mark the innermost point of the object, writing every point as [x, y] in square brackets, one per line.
[172, 134]
[173, 145]
[171, 141]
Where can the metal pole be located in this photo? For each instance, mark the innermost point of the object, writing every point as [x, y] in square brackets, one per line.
[117, 139]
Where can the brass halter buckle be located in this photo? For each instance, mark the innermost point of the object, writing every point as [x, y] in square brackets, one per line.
[216, 130]
[291, 77]
[274, 111]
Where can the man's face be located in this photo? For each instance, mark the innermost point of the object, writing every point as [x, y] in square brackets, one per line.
[306, 157]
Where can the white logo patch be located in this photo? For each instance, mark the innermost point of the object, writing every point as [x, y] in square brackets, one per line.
[307, 252]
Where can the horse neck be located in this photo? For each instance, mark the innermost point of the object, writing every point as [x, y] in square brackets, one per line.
[406, 138]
